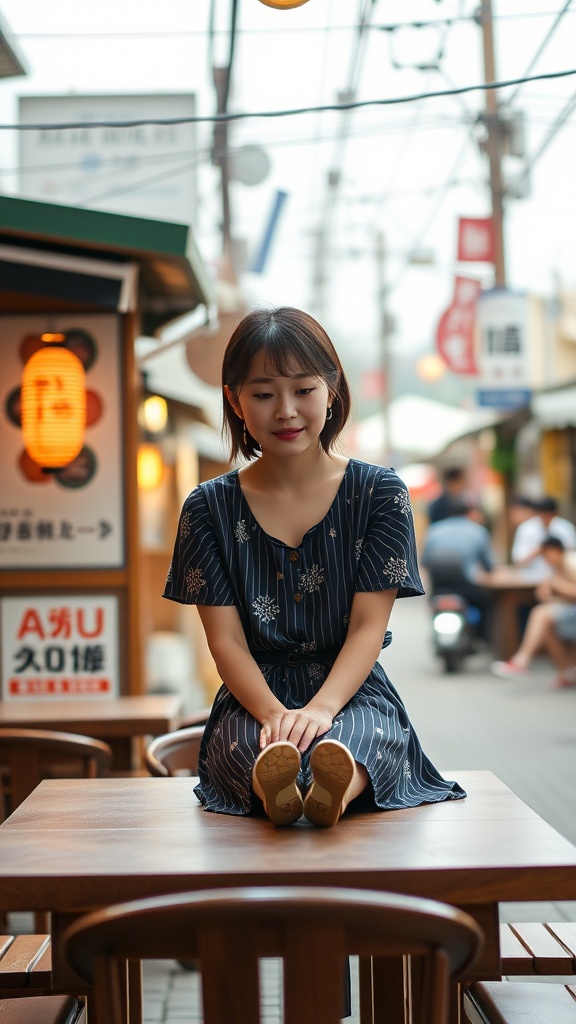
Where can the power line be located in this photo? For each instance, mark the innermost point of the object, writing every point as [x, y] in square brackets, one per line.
[291, 112]
[543, 45]
[293, 30]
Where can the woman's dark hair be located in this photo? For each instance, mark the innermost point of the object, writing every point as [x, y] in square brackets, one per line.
[292, 342]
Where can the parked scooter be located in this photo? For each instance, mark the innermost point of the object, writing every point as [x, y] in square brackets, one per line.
[455, 620]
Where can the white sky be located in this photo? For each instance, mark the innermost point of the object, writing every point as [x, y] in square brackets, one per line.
[407, 170]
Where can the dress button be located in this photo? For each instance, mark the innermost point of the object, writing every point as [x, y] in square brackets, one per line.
[293, 556]
[298, 598]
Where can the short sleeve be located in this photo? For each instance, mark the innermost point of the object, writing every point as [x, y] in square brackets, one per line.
[197, 573]
[387, 551]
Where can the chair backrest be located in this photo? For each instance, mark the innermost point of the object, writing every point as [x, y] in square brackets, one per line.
[174, 751]
[312, 930]
[29, 755]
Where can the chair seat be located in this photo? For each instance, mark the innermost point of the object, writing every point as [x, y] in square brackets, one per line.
[538, 948]
[518, 1002]
[25, 962]
[44, 1010]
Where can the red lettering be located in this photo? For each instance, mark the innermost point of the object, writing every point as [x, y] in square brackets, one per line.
[50, 686]
[31, 623]
[98, 624]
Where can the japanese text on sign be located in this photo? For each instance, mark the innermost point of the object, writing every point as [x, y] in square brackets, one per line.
[59, 646]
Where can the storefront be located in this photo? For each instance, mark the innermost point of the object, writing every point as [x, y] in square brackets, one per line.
[86, 283]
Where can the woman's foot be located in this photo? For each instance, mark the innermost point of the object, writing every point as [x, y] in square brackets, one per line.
[565, 678]
[275, 773]
[508, 670]
[332, 768]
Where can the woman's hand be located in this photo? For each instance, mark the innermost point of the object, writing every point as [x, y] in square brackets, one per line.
[300, 726]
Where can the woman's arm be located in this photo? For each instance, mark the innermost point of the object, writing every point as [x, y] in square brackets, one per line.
[369, 618]
[236, 666]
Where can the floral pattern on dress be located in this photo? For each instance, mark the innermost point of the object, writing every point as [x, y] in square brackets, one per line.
[358, 548]
[316, 671]
[396, 570]
[195, 581]
[312, 578]
[265, 609]
[402, 499]
[308, 646]
[185, 524]
[241, 532]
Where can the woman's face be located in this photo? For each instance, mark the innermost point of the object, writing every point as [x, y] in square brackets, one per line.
[285, 415]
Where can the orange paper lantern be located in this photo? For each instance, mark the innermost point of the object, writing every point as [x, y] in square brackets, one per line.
[282, 5]
[53, 405]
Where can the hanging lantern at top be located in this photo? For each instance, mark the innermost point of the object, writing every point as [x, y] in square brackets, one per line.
[53, 404]
[282, 5]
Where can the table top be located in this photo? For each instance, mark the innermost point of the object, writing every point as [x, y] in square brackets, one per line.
[149, 714]
[505, 577]
[78, 843]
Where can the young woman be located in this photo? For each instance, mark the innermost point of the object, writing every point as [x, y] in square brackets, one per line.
[295, 561]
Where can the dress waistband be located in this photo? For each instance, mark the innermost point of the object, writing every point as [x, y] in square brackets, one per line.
[298, 656]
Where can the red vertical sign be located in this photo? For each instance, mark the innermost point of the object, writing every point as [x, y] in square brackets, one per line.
[455, 331]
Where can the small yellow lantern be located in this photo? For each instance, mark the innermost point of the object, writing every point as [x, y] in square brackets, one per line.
[53, 404]
[150, 467]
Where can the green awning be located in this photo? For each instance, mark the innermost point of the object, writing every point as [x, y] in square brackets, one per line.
[172, 276]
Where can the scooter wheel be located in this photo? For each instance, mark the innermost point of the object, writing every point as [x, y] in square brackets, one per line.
[452, 661]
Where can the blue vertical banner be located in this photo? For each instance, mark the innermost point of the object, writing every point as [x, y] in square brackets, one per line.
[261, 257]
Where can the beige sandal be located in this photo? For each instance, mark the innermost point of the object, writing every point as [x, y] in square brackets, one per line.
[332, 767]
[275, 771]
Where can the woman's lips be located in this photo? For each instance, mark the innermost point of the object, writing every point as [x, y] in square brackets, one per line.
[287, 435]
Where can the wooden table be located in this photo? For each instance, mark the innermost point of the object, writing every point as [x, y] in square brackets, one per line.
[78, 844]
[118, 720]
[512, 588]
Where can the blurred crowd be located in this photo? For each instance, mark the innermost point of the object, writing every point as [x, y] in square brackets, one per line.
[458, 554]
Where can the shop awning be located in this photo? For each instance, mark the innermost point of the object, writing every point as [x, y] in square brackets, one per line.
[555, 409]
[11, 62]
[50, 254]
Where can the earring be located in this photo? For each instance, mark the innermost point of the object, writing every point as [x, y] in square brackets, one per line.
[244, 436]
[329, 413]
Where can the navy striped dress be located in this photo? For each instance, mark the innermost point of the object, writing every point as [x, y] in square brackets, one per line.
[294, 604]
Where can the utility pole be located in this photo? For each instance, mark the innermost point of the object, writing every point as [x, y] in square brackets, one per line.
[384, 338]
[494, 137]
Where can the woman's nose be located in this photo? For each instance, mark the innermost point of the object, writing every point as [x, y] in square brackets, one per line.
[285, 407]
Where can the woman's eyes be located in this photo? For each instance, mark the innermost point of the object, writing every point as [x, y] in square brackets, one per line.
[268, 394]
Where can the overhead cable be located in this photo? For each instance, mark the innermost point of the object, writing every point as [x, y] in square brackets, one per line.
[291, 112]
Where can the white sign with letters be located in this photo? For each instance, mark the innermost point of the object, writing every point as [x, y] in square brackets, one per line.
[59, 646]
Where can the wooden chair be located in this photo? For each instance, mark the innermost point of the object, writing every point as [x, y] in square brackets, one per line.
[513, 1002]
[174, 752]
[47, 1010]
[312, 930]
[27, 756]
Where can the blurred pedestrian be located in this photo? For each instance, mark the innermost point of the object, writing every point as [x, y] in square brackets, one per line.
[540, 520]
[552, 623]
[457, 553]
[453, 492]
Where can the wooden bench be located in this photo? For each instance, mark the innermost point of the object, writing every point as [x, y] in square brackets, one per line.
[25, 964]
[528, 948]
[517, 1002]
[42, 1010]
[538, 948]
[26, 968]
